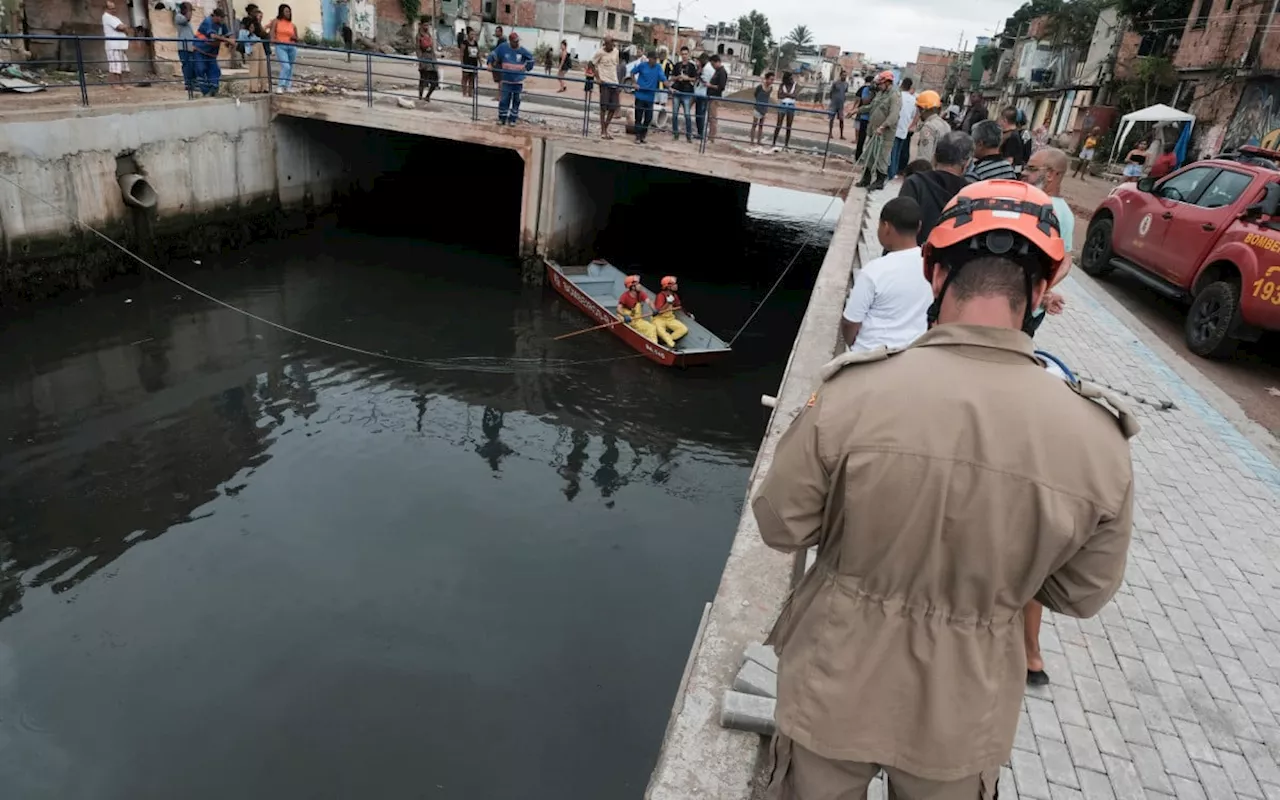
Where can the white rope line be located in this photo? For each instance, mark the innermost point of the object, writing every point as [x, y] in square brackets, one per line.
[436, 364]
[808, 238]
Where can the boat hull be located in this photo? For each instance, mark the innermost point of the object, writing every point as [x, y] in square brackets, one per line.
[602, 315]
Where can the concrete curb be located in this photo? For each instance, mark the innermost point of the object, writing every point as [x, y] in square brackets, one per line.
[699, 758]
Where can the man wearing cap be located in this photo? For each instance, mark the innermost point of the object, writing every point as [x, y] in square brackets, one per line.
[882, 125]
[944, 486]
[213, 31]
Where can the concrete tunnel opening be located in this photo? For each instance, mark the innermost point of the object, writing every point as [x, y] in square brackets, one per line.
[628, 212]
[400, 184]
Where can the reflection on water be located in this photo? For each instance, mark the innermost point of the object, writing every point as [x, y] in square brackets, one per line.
[236, 563]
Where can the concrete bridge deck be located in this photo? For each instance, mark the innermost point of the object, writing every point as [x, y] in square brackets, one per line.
[571, 182]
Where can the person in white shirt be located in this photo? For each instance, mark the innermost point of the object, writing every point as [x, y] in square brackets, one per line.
[890, 299]
[901, 150]
[117, 45]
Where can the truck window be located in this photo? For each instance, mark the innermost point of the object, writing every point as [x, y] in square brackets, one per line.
[1184, 186]
[1225, 189]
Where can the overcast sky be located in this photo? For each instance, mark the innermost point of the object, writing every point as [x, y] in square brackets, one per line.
[883, 29]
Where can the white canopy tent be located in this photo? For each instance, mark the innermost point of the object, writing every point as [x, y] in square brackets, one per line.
[1157, 114]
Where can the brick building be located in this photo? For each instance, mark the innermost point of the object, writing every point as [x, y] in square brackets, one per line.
[932, 68]
[1229, 66]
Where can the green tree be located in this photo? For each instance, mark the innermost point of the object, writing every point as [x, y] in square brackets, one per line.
[1151, 80]
[800, 36]
[1072, 25]
[753, 28]
[1029, 11]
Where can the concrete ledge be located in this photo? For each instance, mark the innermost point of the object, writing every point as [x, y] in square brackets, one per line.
[699, 758]
[743, 168]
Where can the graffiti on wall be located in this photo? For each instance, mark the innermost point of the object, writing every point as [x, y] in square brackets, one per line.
[1257, 117]
[363, 20]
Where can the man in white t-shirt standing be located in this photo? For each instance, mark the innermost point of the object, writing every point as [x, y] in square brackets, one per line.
[889, 303]
[117, 45]
[901, 149]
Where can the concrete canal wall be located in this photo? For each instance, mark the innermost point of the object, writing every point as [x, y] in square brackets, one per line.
[219, 173]
[700, 759]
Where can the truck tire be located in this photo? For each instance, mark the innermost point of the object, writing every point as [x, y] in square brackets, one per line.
[1095, 258]
[1212, 318]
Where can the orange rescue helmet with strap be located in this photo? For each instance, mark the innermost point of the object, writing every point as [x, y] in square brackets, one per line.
[885, 77]
[1002, 218]
[631, 281]
[668, 281]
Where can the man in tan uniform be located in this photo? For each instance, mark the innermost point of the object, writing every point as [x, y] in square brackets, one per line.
[944, 486]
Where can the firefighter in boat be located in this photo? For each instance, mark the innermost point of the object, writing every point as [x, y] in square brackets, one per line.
[669, 329]
[631, 308]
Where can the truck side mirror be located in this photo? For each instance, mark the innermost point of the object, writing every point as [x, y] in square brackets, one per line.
[1268, 206]
[1147, 184]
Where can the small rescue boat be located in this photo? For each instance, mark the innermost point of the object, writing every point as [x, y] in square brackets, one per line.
[595, 289]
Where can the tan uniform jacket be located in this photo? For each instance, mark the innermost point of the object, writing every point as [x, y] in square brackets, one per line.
[885, 110]
[945, 487]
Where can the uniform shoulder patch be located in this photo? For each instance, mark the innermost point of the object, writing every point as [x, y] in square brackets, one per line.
[833, 367]
[1111, 401]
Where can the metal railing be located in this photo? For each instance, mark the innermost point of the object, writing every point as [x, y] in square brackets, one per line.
[82, 63]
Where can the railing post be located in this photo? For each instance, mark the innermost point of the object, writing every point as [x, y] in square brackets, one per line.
[368, 77]
[586, 114]
[475, 95]
[827, 151]
[706, 125]
[84, 88]
[270, 55]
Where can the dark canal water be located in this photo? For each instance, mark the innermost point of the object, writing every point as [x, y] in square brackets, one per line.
[235, 563]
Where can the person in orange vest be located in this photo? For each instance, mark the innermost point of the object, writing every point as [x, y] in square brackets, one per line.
[631, 308]
[669, 329]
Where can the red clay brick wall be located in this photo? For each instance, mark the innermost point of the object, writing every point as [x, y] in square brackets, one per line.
[390, 11]
[1126, 53]
[1225, 37]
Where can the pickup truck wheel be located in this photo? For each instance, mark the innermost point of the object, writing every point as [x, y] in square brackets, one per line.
[1096, 258]
[1213, 316]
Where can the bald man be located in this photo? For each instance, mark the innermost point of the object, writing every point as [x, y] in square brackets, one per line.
[1045, 170]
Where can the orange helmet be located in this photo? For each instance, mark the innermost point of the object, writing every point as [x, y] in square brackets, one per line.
[887, 75]
[668, 281]
[928, 99]
[1001, 218]
[631, 280]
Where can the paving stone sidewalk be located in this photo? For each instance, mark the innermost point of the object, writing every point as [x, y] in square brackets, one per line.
[1174, 689]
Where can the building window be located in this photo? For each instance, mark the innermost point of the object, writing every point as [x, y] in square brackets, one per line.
[507, 8]
[612, 21]
[1202, 18]
[626, 24]
[591, 19]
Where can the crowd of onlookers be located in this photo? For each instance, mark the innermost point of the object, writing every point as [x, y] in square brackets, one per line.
[200, 46]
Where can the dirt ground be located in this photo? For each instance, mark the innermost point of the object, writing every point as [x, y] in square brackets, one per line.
[1249, 377]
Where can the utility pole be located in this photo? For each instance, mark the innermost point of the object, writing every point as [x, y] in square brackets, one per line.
[561, 37]
[675, 35]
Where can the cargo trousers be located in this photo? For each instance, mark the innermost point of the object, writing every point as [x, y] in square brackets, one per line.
[799, 774]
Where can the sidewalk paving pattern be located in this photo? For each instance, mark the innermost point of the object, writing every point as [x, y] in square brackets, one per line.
[1173, 690]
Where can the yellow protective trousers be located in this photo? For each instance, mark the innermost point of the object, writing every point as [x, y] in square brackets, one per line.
[641, 326]
[669, 328]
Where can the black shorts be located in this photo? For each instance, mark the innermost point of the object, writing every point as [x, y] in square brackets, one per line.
[609, 94]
